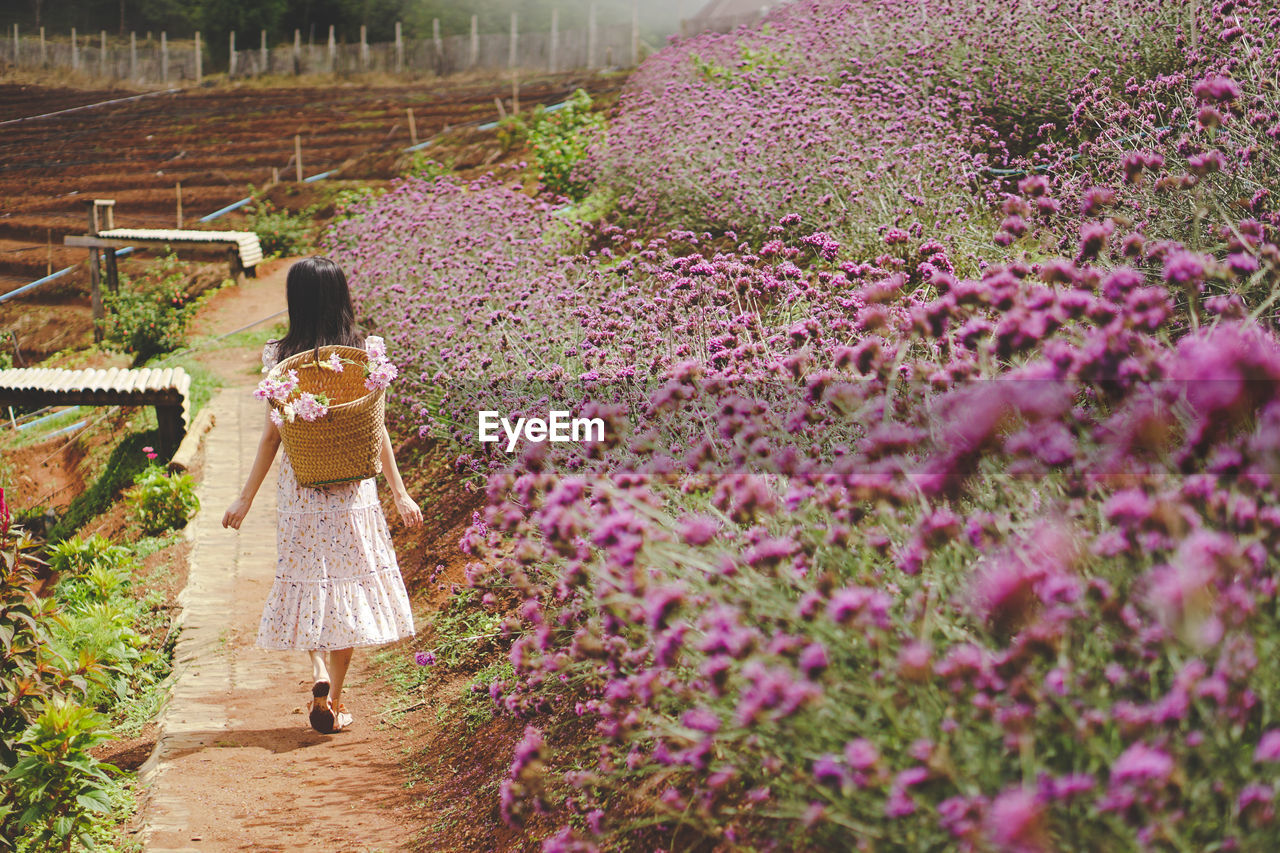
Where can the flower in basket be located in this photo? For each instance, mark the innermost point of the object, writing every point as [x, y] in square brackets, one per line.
[379, 371]
[293, 403]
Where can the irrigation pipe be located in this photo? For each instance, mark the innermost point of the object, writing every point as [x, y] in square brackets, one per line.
[47, 417]
[90, 106]
[234, 205]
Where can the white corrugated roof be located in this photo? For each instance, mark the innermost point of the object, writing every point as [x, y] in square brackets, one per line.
[247, 244]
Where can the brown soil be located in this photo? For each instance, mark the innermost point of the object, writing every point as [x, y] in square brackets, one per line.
[217, 142]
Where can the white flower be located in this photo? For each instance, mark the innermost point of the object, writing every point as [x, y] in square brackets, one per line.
[290, 414]
[334, 363]
[275, 417]
[375, 347]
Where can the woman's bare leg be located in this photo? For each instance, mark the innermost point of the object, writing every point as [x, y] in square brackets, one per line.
[319, 672]
[339, 660]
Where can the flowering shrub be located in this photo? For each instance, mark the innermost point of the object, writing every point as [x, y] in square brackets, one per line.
[281, 233]
[150, 316]
[162, 501]
[945, 530]
[559, 142]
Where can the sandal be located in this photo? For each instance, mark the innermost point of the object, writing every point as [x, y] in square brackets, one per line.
[321, 715]
[342, 719]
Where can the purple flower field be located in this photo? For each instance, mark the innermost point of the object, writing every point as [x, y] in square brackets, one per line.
[940, 496]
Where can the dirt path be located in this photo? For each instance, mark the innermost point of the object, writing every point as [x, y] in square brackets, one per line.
[236, 766]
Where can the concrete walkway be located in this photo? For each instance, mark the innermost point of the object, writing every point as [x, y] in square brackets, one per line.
[236, 767]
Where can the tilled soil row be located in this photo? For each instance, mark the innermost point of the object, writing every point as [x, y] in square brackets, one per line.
[216, 142]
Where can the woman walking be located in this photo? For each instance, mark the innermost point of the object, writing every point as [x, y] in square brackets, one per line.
[337, 583]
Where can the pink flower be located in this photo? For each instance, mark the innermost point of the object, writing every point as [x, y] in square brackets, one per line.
[1216, 88]
[1268, 747]
[375, 347]
[1016, 822]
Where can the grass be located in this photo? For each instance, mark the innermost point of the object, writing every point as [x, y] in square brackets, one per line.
[126, 461]
[37, 434]
[203, 380]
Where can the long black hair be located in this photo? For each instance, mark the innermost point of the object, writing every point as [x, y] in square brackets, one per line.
[320, 311]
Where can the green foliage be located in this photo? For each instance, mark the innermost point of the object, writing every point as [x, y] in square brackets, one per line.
[511, 131]
[57, 779]
[125, 463]
[149, 316]
[74, 557]
[422, 166]
[30, 672]
[352, 203]
[559, 142]
[280, 231]
[465, 631]
[203, 380]
[59, 658]
[163, 501]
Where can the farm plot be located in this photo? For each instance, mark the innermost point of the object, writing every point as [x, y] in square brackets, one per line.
[215, 141]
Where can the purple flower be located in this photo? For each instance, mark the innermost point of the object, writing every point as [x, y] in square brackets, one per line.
[1268, 747]
[424, 658]
[861, 754]
[1016, 822]
[1215, 87]
[1141, 763]
[698, 530]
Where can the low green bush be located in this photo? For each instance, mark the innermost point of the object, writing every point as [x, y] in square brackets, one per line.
[162, 501]
[62, 786]
[559, 142]
[149, 315]
[280, 231]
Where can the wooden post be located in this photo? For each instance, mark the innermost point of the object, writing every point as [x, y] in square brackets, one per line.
[113, 272]
[364, 48]
[515, 93]
[297, 51]
[16, 50]
[552, 64]
[475, 41]
[333, 50]
[231, 54]
[399, 50]
[297, 155]
[75, 51]
[164, 57]
[95, 275]
[44, 57]
[413, 127]
[513, 45]
[95, 295]
[275, 175]
[591, 35]
[635, 32]
[199, 65]
[133, 55]
[102, 54]
[48, 264]
[438, 45]
[502, 111]
[179, 191]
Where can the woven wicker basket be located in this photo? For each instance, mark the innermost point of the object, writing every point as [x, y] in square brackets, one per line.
[346, 443]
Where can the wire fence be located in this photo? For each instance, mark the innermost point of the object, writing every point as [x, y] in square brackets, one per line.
[164, 61]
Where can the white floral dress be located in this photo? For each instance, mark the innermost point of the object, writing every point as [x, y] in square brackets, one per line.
[337, 582]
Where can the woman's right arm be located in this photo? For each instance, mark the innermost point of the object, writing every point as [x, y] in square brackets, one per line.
[268, 444]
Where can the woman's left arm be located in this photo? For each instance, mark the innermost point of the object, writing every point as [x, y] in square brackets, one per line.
[409, 511]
